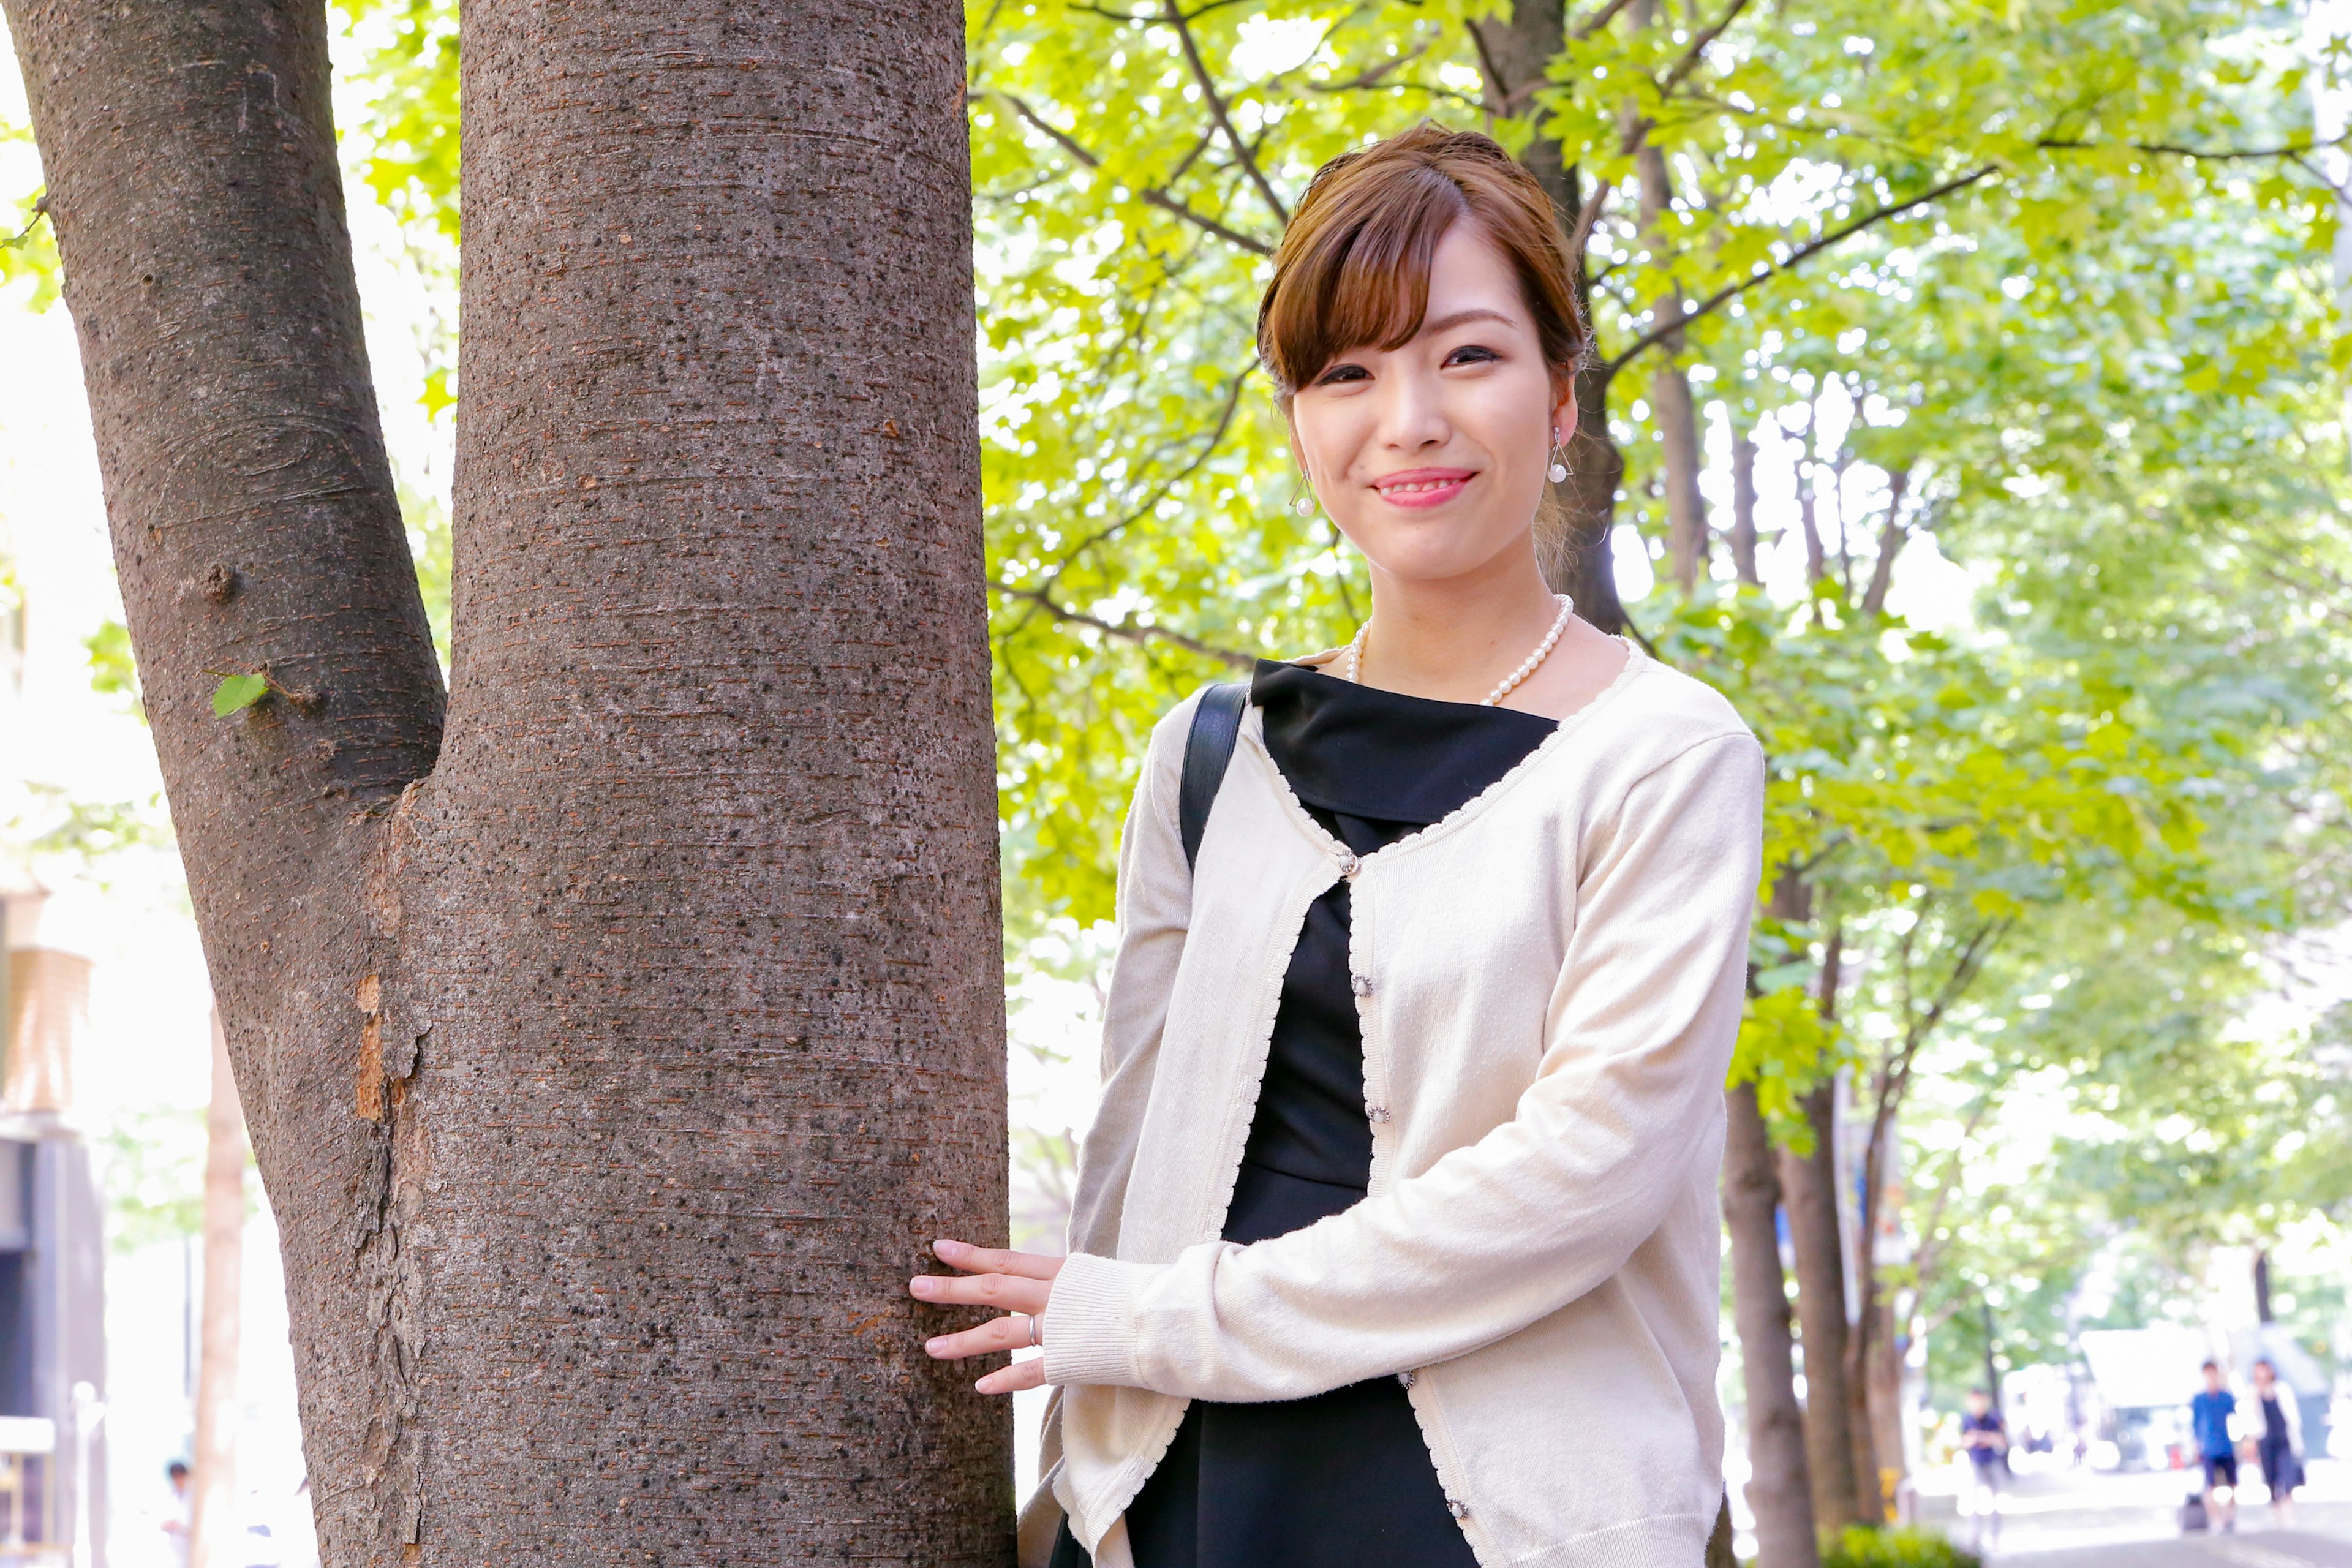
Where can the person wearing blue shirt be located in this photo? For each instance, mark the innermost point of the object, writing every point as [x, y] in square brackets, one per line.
[2209, 1417]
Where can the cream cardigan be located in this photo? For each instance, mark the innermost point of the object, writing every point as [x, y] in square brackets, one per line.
[1549, 981]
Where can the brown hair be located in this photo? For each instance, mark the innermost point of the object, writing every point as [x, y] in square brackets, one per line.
[1353, 266]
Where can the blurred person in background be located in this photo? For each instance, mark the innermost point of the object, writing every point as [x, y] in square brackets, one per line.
[2277, 1440]
[178, 1512]
[1986, 1438]
[2210, 1417]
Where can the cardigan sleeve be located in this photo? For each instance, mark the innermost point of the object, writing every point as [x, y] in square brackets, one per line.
[1504, 1231]
[1154, 904]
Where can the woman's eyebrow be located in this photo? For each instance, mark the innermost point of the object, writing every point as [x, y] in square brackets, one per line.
[1476, 313]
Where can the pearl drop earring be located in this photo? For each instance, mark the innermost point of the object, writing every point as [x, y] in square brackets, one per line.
[1304, 506]
[1558, 469]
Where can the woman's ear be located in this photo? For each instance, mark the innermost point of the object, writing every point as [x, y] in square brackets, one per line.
[1298, 452]
[1563, 413]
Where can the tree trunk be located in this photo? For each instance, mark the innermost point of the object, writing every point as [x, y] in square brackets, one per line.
[1884, 1384]
[1809, 1189]
[1779, 1489]
[1670, 392]
[2262, 1286]
[1870, 1482]
[1719, 1552]
[610, 1073]
[1743, 510]
[1891, 537]
[1576, 547]
[216, 1531]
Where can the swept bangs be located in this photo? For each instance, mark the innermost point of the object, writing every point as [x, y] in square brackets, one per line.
[1352, 270]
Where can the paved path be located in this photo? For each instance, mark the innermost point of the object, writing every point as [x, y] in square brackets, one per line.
[2267, 1549]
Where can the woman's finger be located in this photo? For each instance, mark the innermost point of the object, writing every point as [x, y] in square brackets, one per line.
[995, 1335]
[1021, 1374]
[993, 1260]
[1002, 1291]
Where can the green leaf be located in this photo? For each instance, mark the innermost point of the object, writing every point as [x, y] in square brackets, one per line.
[239, 692]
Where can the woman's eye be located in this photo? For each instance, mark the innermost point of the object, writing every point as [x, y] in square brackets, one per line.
[1471, 353]
[1339, 373]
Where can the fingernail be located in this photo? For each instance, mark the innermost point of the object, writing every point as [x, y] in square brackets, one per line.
[935, 1346]
[943, 1247]
[921, 1287]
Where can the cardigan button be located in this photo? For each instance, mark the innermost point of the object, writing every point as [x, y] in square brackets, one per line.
[1377, 1112]
[1405, 1378]
[1349, 865]
[1458, 1508]
[1362, 985]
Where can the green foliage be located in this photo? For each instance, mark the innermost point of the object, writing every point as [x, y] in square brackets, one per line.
[29, 247]
[410, 124]
[1864, 1546]
[113, 670]
[152, 1170]
[237, 692]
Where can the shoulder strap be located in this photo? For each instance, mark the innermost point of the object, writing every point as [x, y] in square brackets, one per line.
[1208, 747]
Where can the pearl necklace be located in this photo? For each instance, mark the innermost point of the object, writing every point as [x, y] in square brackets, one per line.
[1510, 682]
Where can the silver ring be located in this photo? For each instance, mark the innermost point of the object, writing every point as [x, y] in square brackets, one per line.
[1036, 1328]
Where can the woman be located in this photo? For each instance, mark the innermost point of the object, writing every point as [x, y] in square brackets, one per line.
[1395, 1239]
[2278, 1441]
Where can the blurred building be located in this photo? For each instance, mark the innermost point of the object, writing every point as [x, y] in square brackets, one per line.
[52, 1259]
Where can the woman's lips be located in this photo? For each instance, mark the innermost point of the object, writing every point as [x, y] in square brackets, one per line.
[1422, 487]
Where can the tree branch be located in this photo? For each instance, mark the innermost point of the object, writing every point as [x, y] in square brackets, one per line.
[1372, 76]
[1689, 62]
[1803, 253]
[1129, 631]
[1154, 196]
[1174, 16]
[40, 211]
[1598, 20]
[1587, 216]
[1159, 491]
[2290, 150]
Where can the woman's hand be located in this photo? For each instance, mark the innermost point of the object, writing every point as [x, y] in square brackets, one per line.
[1020, 1282]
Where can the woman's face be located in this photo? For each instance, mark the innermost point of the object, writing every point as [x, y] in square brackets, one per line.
[1431, 456]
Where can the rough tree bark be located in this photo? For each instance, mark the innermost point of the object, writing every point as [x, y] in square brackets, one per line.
[216, 1526]
[610, 1054]
[1577, 557]
[1778, 1489]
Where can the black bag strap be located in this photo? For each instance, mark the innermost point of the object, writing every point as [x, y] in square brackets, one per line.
[1208, 748]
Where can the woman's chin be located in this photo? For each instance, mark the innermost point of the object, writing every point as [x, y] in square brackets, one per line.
[1437, 560]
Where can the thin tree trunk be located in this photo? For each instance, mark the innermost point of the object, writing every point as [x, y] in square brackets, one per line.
[1884, 1383]
[1808, 1190]
[2262, 1286]
[1870, 1482]
[1891, 537]
[1743, 510]
[1577, 553]
[1670, 395]
[610, 1060]
[1817, 559]
[1779, 1489]
[216, 1531]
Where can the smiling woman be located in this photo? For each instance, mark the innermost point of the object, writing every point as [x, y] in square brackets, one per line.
[1394, 1241]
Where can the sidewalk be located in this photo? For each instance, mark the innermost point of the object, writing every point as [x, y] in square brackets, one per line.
[2268, 1548]
[2075, 1518]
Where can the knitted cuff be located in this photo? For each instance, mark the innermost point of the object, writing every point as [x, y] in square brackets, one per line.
[1091, 1320]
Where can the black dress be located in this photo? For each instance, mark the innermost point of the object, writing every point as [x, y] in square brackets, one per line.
[1342, 1479]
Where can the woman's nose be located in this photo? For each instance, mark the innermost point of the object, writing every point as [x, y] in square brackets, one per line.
[1412, 412]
